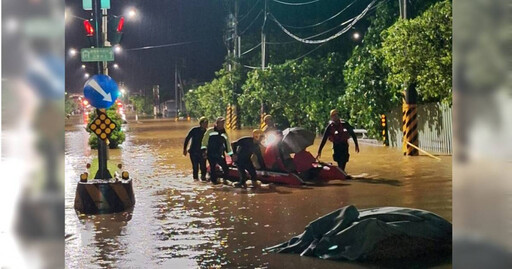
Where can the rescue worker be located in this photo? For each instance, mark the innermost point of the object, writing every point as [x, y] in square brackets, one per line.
[270, 124]
[215, 143]
[244, 148]
[338, 132]
[196, 157]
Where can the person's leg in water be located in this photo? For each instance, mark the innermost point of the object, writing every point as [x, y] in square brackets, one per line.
[194, 159]
[213, 173]
[341, 155]
[252, 173]
[225, 168]
[242, 174]
[202, 166]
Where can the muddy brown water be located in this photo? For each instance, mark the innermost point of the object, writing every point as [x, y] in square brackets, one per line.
[179, 223]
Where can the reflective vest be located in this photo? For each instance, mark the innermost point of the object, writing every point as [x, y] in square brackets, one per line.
[338, 132]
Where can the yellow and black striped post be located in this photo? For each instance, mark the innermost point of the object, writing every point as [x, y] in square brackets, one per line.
[104, 196]
[234, 118]
[410, 128]
[383, 123]
[228, 117]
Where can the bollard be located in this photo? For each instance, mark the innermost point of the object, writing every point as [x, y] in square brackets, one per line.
[234, 118]
[228, 117]
[104, 196]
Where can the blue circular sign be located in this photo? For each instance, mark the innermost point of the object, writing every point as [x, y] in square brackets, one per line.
[101, 91]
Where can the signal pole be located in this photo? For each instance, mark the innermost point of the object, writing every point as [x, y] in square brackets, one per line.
[103, 172]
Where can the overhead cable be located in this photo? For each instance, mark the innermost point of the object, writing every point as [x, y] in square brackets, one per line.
[295, 4]
[250, 24]
[249, 12]
[251, 49]
[322, 22]
[344, 30]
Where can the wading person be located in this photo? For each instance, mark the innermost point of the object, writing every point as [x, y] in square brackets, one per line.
[244, 148]
[338, 132]
[270, 125]
[196, 157]
[215, 143]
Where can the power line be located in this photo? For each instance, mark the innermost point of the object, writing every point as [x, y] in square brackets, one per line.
[249, 12]
[164, 45]
[295, 4]
[309, 52]
[322, 22]
[326, 31]
[251, 49]
[344, 30]
[250, 24]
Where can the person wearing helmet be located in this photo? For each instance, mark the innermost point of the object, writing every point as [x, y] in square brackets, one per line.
[338, 132]
[244, 148]
[196, 135]
[269, 124]
[215, 143]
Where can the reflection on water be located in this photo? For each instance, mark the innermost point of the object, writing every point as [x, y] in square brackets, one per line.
[180, 223]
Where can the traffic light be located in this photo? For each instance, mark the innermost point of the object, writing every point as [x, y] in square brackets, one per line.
[115, 29]
[89, 30]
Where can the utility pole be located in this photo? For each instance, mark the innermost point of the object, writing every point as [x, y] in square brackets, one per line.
[263, 37]
[409, 106]
[176, 88]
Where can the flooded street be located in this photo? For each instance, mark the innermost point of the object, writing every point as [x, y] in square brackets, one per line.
[179, 223]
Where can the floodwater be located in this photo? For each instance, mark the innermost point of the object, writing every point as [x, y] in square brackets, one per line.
[179, 223]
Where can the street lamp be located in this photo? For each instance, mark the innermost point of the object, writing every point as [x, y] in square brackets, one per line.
[117, 49]
[132, 13]
[72, 52]
[356, 36]
[86, 75]
[83, 66]
[116, 66]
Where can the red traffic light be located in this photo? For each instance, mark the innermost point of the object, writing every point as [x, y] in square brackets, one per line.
[88, 28]
[120, 25]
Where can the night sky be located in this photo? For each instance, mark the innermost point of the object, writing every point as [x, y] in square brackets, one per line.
[158, 22]
[202, 22]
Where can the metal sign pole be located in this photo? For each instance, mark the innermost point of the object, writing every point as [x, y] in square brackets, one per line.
[103, 172]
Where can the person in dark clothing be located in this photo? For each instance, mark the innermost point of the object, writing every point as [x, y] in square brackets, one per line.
[338, 132]
[215, 143]
[196, 157]
[244, 148]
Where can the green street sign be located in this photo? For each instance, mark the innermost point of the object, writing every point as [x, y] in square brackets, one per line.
[87, 4]
[97, 54]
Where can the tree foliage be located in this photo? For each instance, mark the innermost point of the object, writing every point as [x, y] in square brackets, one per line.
[212, 98]
[295, 93]
[419, 52]
[142, 104]
[368, 94]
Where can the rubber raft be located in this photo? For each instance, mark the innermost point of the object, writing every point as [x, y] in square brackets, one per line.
[324, 172]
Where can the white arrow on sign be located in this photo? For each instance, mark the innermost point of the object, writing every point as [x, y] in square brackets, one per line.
[97, 87]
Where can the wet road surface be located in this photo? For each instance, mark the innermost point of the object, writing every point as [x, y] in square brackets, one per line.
[178, 223]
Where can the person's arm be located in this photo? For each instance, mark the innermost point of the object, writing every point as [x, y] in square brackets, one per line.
[353, 135]
[206, 137]
[228, 145]
[187, 139]
[324, 139]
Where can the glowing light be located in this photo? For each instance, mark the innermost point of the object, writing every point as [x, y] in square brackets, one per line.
[270, 139]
